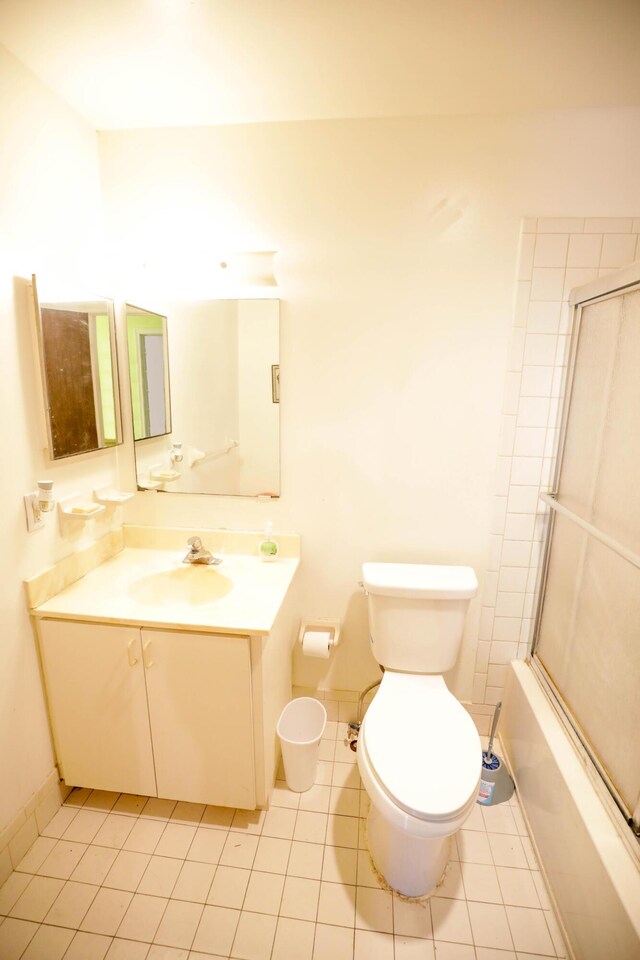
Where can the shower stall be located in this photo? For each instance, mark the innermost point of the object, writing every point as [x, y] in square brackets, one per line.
[572, 718]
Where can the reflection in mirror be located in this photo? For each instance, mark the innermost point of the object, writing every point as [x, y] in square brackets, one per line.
[225, 427]
[148, 373]
[79, 372]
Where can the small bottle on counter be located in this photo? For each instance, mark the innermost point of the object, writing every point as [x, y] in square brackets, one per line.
[268, 548]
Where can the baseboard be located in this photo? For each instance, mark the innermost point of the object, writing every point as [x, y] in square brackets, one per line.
[18, 836]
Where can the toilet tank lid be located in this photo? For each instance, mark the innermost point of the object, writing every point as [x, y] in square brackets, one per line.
[420, 580]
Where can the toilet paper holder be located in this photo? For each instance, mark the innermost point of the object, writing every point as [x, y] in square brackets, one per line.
[321, 626]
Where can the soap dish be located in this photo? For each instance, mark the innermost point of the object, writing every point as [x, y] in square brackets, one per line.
[79, 508]
[110, 497]
[164, 476]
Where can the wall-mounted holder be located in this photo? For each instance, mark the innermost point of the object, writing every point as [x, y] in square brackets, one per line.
[146, 483]
[318, 637]
[109, 497]
[79, 508]
[160, 473]
[176, 454]
[38, 504]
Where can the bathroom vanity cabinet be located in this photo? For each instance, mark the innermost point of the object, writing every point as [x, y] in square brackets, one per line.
[152, 712]
[168, 680]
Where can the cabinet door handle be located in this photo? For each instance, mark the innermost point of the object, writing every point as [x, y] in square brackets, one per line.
[132, 660]
[148, 662]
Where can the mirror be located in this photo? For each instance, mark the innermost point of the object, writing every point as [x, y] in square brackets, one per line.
[222, 359]
[148, 373]
[76, 346]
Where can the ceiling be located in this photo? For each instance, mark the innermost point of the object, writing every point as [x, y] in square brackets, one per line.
[158, 63]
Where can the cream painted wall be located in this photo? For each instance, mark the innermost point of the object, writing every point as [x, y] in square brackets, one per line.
[50, 220]
[398, 243]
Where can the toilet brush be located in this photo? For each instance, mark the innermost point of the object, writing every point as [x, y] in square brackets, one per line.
[496, 784]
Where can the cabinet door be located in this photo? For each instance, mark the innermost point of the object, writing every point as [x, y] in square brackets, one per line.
[199, 691]
[98, 705]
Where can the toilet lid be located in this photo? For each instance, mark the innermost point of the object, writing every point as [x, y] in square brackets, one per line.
[423, 746]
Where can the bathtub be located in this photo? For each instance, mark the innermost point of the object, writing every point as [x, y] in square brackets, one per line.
[592, 870]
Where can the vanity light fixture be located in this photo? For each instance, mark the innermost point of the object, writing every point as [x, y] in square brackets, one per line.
[38, 503]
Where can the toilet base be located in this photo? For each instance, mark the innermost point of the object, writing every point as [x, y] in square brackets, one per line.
[413, 866]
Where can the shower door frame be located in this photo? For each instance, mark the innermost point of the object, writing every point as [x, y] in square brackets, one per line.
[604, 288]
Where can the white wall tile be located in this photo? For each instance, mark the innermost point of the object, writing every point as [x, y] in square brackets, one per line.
[607, 225]
[521, 303]
[492, 695]
[519, 526]
[506, 630]
[516, 553]
[516, 349]
[547, 283]
[510, 604]
[502, 652]
[575, 277]
[511, 393]
[529, 442]
[584, 250]
[543, 316]
[482, 655]
[513, 579]
[618, 250]
[525, 256]
[522, 499]
[536, 381]
[490, 589]
[507, 436]
[550, 250]
[562, 351]
[540, 349]
[496, 674]
[479, 684]
[560, 224]
[533, 412]
[485, 629]
[526, 471]
[498, 515]
[503, 473]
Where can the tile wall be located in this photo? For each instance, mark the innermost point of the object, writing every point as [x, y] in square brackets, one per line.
[556, 255]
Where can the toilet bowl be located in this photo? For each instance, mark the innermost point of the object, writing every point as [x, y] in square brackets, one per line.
[419, 753]
[419, 760]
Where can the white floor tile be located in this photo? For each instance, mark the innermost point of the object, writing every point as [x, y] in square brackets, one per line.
[306, 860]
[101, 800]
[37, 899]
[254, 936]
[374, 910]
[37, 854]
[158, 951]
[219, 817]
[489, 926]
[337, 904]
[216, 930]
[160, 877]
[84, 826]
[343, 831]
[340, 865]
[88, 946]
[229, 887]
[106, 912]
[248, 821]
[114, 831]
[130, 803]
[279, 822]
[300, 898]
[71, 905]
[49, 943]
[264, 893]
[450, 920]
[239, 850]
[412, 919]
[63, 859]
[60, 822]
[187, 813]
[283, 797]
[530, 931]
[293, 940]
[481, 882]
[517, 886]
[179, 924]
[507, 851]
[158, 809]
[333, 943]
[15, 935]
[127, 870]
[94, 865]
[410, 948]
[127, 950]
[207, 845]
[453, 951]
[452, 885]
[272, 855]
[145, 835]
[373, 946]
[15, 886]
[194, 882]
[473, 847]
[310, 827]
[175, 840]
[366, 874]
[142, 917]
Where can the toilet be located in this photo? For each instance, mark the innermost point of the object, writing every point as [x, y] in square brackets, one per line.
[419, 753]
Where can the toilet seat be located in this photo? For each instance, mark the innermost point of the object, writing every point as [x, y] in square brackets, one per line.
[423, 746]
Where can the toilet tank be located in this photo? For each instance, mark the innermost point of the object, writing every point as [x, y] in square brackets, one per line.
[417, 613]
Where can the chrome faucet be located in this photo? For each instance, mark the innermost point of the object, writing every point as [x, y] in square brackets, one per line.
[198, 554]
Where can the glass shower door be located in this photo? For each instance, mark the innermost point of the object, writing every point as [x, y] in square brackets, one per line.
[588, 632]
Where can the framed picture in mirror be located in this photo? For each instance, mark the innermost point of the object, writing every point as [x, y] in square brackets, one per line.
[79, 371]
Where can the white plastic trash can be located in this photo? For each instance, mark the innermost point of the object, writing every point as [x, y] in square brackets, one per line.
[300, 729]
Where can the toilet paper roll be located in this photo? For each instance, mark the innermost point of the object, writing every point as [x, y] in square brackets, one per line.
[316, 643]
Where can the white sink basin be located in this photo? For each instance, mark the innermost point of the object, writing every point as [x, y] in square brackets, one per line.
[191, 585]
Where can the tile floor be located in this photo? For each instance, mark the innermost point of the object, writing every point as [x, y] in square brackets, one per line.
[130, 878]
